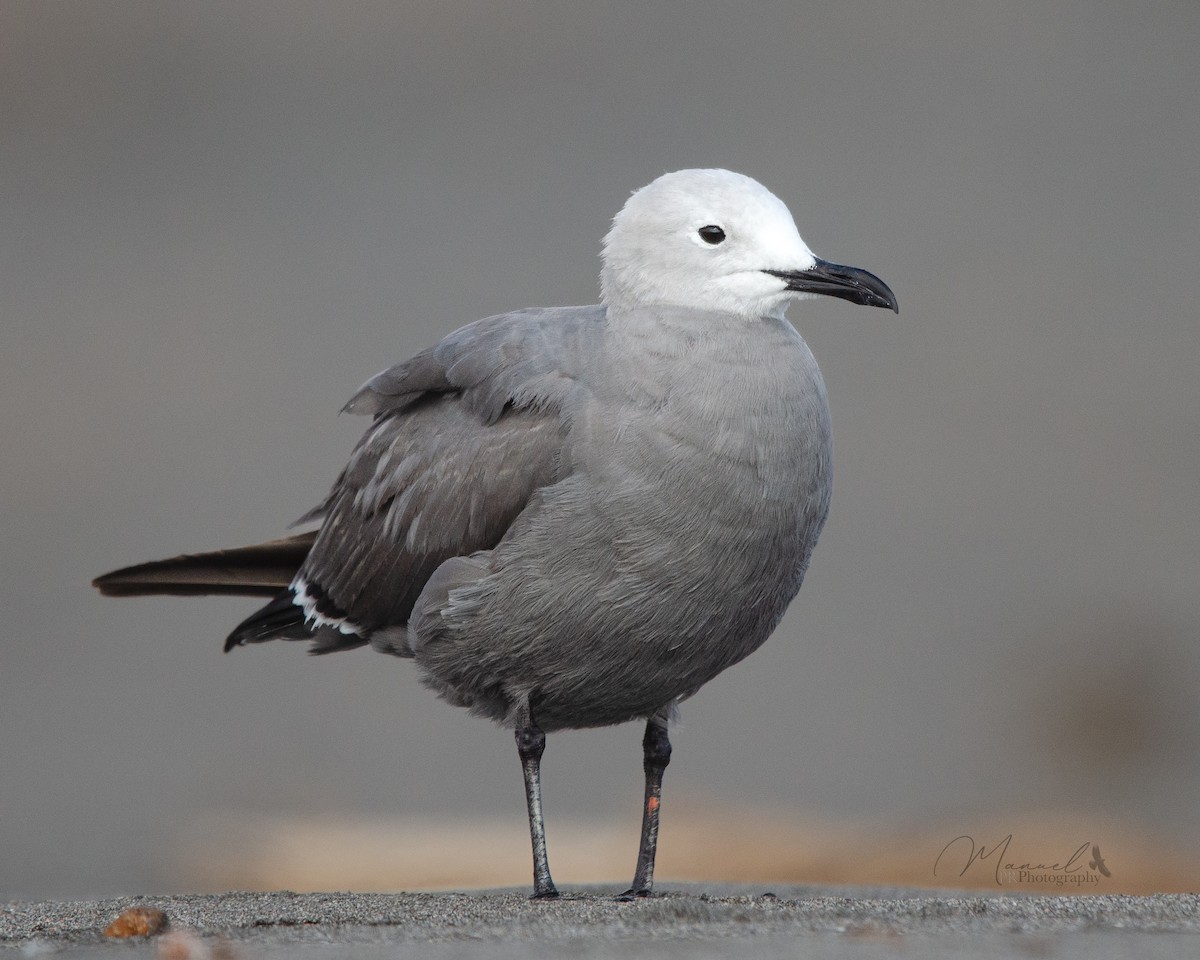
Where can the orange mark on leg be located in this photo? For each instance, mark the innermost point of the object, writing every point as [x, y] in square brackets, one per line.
[652, 805]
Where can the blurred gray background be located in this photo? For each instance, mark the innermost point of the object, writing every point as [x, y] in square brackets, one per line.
[218, 219]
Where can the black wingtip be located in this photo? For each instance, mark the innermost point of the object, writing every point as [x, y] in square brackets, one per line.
[122, 583]
[259, 570]
[280, 619]
[104, 585]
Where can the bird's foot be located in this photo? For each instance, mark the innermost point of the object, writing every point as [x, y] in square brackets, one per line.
[631, 894]
[547, 892]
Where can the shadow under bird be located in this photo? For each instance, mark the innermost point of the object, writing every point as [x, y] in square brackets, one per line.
[577, 516]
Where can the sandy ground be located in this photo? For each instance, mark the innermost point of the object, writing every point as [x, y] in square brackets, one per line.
[695, 921]
[232, 850]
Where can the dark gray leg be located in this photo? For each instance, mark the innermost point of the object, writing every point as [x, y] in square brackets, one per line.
[656, 754]
[531, 741]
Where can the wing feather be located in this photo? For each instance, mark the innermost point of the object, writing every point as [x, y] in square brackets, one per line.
[464, 433]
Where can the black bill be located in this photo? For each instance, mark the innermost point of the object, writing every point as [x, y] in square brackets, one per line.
[834, 280]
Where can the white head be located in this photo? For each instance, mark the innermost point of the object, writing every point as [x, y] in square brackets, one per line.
[718, 240]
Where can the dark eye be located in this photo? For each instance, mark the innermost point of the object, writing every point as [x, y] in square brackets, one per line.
[711, 234]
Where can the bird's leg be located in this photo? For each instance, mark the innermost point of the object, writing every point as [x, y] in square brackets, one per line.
[656, 754]
[531, 741]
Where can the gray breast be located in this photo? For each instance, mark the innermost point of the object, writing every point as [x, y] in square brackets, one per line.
[696, 484]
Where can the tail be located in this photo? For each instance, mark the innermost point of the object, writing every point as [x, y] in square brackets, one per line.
[262, 570]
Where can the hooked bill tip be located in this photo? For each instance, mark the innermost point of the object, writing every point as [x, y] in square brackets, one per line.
[836, 280]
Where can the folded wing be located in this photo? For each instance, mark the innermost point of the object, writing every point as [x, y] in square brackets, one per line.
[464, 433]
